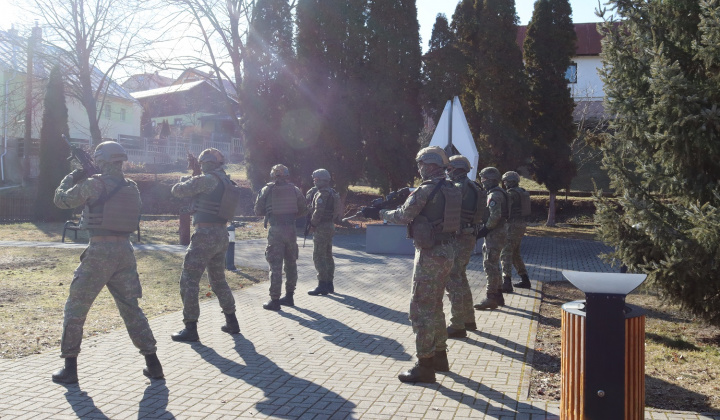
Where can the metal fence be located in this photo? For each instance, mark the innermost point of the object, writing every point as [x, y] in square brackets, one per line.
[172, 149]
[16, 208]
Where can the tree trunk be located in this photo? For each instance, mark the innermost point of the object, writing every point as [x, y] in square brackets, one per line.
[551, 210]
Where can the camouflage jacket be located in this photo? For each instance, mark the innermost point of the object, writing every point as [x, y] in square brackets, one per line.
[198, 184]
[69, 196]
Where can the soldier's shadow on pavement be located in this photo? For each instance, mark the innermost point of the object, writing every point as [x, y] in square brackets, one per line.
[346, 337]
[82, 403]
[505, 347]
[286, 396]
[502, 399]
[154, 402]
[370, 308]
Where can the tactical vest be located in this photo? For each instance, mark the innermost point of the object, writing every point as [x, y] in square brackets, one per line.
[519, 203]
[474, 203]
[443, 210]
[218, 205]
[505, 210]
[116, 211]
[329, 211]
[283, 200]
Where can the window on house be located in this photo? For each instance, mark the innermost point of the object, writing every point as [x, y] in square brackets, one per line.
[122, 114]
[108, 111]
[571, 73]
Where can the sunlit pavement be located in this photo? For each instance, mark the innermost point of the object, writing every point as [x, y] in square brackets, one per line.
[334, 356]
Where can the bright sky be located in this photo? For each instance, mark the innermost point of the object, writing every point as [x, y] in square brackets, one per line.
[583, 11]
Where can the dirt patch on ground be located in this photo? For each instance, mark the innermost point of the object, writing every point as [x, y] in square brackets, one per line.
[9, 262]
[682, 355]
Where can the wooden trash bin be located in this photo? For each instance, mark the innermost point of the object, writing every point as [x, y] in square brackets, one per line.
[572, 370]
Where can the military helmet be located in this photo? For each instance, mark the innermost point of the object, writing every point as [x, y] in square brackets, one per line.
[279, 171]
[211, 155]
[490, 173]
[322, 174]
[432, 154]
[511, 176]
[460, 162]
[110, 151]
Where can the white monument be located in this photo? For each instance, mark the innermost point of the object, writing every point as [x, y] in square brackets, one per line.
[453, 131]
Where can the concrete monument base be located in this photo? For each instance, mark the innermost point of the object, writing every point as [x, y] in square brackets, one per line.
[388, 239]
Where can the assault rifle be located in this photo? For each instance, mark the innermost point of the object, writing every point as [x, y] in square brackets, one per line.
[82, 157]
[392, 201]
[192, 163]
[306, 232]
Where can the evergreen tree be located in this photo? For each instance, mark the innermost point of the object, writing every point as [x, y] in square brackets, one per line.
[443, 69]
[501, 90]
[53, 150]
[267, 90]
[549, 45]
[662, 84]
[393, 119]
[331, 46]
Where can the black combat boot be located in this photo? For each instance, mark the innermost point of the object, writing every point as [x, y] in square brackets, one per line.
[187, 334]
[423, 371]
[524, 283]
[490, 302]
[153, 369]
[500, 299]
[68, 374]
[272, 305]
[287, 300]
[456, 333]
[231, 324]
[470, 326]
[440, 361]
[331, 287]
[507, 286]
[321, 289]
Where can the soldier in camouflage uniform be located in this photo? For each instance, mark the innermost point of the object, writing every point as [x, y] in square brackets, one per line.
[495, 235]
[516, 227]
[322, 227]
[208, 244]
[433, 213]
[281, 203]
[112, 210]
[473, 214]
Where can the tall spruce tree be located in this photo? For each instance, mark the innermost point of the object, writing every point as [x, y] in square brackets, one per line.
[662, 84]
[501, 90]
[549, 46]
[443, 68]
[331, 43]
[393, 119]
[53, 150]
[267, 89]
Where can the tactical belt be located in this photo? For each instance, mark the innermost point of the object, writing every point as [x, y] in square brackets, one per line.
[206, 224]
[109, 238]
[443, 241]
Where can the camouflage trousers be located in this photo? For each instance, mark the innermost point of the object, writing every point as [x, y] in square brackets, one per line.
[458, 288]
[282, 249]
[510, 255]
[430, 276]
[322, 251]
[493, 246]
[110, 264]
[207, 249]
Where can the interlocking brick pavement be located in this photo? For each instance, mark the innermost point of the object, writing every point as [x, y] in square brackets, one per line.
[330, 357]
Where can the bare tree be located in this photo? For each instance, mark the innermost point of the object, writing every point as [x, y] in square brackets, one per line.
[88, 35]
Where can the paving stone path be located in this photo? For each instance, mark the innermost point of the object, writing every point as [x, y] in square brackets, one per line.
[335, 356]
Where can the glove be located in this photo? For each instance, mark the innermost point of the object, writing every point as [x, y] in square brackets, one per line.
[78, 175]
[371, 213]
[483, 232]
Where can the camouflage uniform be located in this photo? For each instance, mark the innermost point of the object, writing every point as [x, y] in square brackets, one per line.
[282, 239]
[323, 229]
[106, 263]
[495, 239]
[207, 249]
[430, 275]
[516, 227]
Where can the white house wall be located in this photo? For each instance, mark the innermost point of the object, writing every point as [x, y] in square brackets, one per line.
[110, 128]
[589, 87]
